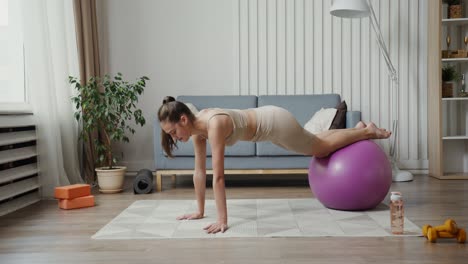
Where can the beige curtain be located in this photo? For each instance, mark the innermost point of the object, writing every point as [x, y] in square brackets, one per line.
[50, 55]
[88, 57]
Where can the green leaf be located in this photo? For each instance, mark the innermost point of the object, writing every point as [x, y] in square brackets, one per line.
[107, 103]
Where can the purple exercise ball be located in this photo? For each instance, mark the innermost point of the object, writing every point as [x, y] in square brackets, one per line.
[356, 177]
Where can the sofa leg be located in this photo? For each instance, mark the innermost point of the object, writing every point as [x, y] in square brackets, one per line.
[158, 177]
[174, 180]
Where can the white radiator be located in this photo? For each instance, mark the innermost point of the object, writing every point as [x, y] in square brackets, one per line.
[19, 180]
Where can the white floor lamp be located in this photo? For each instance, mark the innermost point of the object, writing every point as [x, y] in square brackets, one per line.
[363, 8]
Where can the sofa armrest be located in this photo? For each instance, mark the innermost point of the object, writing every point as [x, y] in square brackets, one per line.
[352, 118]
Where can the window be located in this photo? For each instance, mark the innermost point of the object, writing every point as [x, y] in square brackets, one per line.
[12, 79]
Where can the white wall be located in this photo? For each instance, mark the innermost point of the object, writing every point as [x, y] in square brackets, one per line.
[269, 47]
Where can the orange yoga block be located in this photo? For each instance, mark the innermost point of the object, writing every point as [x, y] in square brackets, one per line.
[72, 191]
[80, 202]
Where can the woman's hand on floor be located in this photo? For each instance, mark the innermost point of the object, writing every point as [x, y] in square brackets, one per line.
[216, 227]
[190, 216]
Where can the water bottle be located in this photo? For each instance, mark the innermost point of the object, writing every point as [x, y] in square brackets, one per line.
[396, 213]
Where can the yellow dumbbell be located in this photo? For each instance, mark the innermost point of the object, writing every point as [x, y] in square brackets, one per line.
[449, 226]
[433, 234]
[430, 233]
[461, 237]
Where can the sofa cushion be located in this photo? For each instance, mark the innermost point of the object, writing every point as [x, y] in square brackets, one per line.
[302, 107]
[238, 163]
[339, 122]
[192, 108]
[241, 148]
[321, 120]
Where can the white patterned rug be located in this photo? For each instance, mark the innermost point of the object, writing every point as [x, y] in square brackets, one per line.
[156, 219]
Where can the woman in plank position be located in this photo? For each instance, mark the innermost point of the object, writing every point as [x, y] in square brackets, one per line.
[224, 127]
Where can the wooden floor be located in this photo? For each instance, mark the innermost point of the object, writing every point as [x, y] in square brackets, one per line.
[42, 233]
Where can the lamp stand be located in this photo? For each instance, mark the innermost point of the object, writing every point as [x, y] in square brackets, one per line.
[397, 174]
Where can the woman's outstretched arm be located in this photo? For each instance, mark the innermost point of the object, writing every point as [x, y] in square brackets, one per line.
[199, 178]
[216, 134]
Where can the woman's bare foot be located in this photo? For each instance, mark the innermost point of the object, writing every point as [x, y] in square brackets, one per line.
[360, 124]
[377, 133]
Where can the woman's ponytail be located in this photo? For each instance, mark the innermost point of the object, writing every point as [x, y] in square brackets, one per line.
[170, 111]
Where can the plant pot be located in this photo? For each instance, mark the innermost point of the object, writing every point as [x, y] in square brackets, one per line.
[111, 181]
[455, 11]
[447, 89]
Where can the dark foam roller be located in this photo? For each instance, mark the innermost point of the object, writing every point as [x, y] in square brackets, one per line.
[143, 182]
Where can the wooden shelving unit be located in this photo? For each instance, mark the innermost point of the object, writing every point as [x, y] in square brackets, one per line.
[448, 150]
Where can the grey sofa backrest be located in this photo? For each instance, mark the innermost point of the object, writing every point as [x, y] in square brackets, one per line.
[303, 107]
[223, 101]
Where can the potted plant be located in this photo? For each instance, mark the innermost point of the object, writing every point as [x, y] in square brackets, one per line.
[107, 105]
[449, 77]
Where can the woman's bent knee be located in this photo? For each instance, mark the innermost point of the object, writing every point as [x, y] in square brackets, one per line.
[322, 154]
[321, 150]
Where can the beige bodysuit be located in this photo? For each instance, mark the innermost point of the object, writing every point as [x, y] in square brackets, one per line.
[274, 124]
[239, 120]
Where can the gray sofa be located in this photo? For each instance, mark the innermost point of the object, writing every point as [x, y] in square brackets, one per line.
[247, 157]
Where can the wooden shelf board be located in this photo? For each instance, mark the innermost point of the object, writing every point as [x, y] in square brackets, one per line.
[455, 59]
[455, 21]
[452, 176]
[455, 99]
[455, 137]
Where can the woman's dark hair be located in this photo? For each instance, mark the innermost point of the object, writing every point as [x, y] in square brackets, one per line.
[171, 111]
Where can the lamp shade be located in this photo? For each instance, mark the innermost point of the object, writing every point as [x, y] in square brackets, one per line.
[350, 8]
